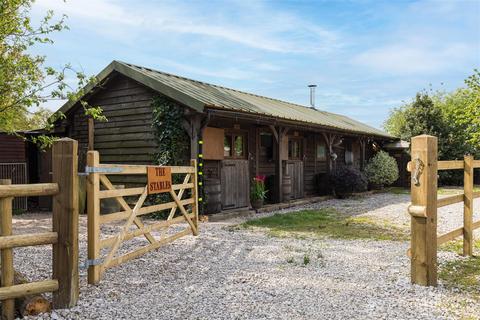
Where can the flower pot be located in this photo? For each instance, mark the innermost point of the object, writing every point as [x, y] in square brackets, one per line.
[257, 204]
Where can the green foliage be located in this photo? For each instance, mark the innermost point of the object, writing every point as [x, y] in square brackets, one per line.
[346, 180]
[25, 81]
[453, 117]
[173, 141]
[382, 169]
[327, 222]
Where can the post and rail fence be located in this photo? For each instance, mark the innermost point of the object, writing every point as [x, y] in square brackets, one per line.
[64, 235]
[424, 166]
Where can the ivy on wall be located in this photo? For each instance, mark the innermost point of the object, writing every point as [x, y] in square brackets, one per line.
[173, 142]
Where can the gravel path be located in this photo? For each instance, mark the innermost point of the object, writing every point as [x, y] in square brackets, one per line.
[227, 273]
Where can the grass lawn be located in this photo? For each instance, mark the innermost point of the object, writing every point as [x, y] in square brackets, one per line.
[327, 223]
[463, 273]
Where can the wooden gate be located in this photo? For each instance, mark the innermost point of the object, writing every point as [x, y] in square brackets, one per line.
[109, 246]
[235, 181]
[294, 168]
[424, 167]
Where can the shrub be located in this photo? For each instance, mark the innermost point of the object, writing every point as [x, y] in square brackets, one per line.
[258, 191]
[346, 180]
[382, 169]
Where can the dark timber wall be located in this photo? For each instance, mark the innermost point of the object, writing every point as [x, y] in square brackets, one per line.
[127, 137]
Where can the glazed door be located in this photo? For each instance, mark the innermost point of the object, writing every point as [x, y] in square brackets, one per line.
[235, 181]
[295, 170]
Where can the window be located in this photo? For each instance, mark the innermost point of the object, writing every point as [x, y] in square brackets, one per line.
[294, 149]
[234, 146]
[266, 146]
[321, 152]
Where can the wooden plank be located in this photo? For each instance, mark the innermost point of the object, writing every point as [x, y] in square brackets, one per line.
[134, 254]
[468, 206]
[445, 201]
[476, 194]
[65, 223]
[184, 212]
[108, 242]
[27, 190]
[126, 207]
[103, 194]
[7, 271]
[27, 289]
[125, 229]
[93, 212]
[449, 236]
[476, 225]
[125, 144]
[193, 163]
[91, 133]
[424, 229]
[122, 215]
[450, 165]
[142, 169]
[476, 163]
[26, 240]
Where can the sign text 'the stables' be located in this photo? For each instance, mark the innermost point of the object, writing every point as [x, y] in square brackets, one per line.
[159, 179]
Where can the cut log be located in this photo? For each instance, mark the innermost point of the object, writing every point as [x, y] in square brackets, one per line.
[30, 305]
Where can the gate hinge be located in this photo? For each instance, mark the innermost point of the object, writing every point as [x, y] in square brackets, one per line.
[91, 262]
[89, 170]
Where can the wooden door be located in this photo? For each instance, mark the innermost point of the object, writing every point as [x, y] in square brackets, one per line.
[295, 170]
[235, 180]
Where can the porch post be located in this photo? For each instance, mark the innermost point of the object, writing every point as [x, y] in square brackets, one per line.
[280, 134]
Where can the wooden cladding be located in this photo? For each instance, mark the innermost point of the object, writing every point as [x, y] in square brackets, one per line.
[213, 143]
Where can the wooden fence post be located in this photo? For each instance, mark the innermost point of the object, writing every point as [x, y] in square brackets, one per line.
[93, 212]
[424, 210]
[65, 222]
[468, 206]
[8, 306]
[193, 163]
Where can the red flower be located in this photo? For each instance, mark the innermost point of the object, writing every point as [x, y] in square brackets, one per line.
[260, 178]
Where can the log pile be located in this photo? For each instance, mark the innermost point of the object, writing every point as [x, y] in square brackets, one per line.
[30, 305]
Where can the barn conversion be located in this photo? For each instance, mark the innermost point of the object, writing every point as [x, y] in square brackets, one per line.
[243, 134]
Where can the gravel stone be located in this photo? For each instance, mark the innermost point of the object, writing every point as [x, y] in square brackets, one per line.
[231, 273]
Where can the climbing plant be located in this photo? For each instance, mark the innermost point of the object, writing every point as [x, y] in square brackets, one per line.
[172, 140]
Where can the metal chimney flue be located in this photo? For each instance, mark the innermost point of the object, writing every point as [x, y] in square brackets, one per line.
[312, 95]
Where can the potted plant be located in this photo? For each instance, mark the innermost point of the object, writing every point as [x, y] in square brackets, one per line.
[258, 192]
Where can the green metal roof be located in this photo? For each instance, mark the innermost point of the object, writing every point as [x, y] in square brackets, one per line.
[200, 95]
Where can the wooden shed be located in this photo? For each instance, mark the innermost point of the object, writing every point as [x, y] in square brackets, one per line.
[243, 134]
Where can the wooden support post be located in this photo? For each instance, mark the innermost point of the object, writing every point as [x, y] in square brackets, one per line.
[424, 194]
[193, 163]
[279, 136]
[93, 213]
[65, 222]
[468, 206]
[8, 306]
[91, 133]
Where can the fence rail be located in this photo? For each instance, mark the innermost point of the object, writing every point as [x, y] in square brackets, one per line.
[424, 241]
[98, 178]
[64, 236]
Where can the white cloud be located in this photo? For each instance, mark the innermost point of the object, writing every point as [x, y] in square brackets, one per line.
[410, 58]
[254, 25]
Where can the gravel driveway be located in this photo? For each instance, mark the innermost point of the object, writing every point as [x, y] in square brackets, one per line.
[226, 273]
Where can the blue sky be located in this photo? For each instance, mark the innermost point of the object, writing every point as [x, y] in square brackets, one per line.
[365, 56]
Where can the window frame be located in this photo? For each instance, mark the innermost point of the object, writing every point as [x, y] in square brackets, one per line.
[324, 157]
[299, 140]
[233, 134]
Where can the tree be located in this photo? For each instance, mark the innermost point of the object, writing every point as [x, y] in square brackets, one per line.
[25, 81]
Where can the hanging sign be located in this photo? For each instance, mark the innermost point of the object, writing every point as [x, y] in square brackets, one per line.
[159, 179]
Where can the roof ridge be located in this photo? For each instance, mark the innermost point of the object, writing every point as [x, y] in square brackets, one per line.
[223, 87]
